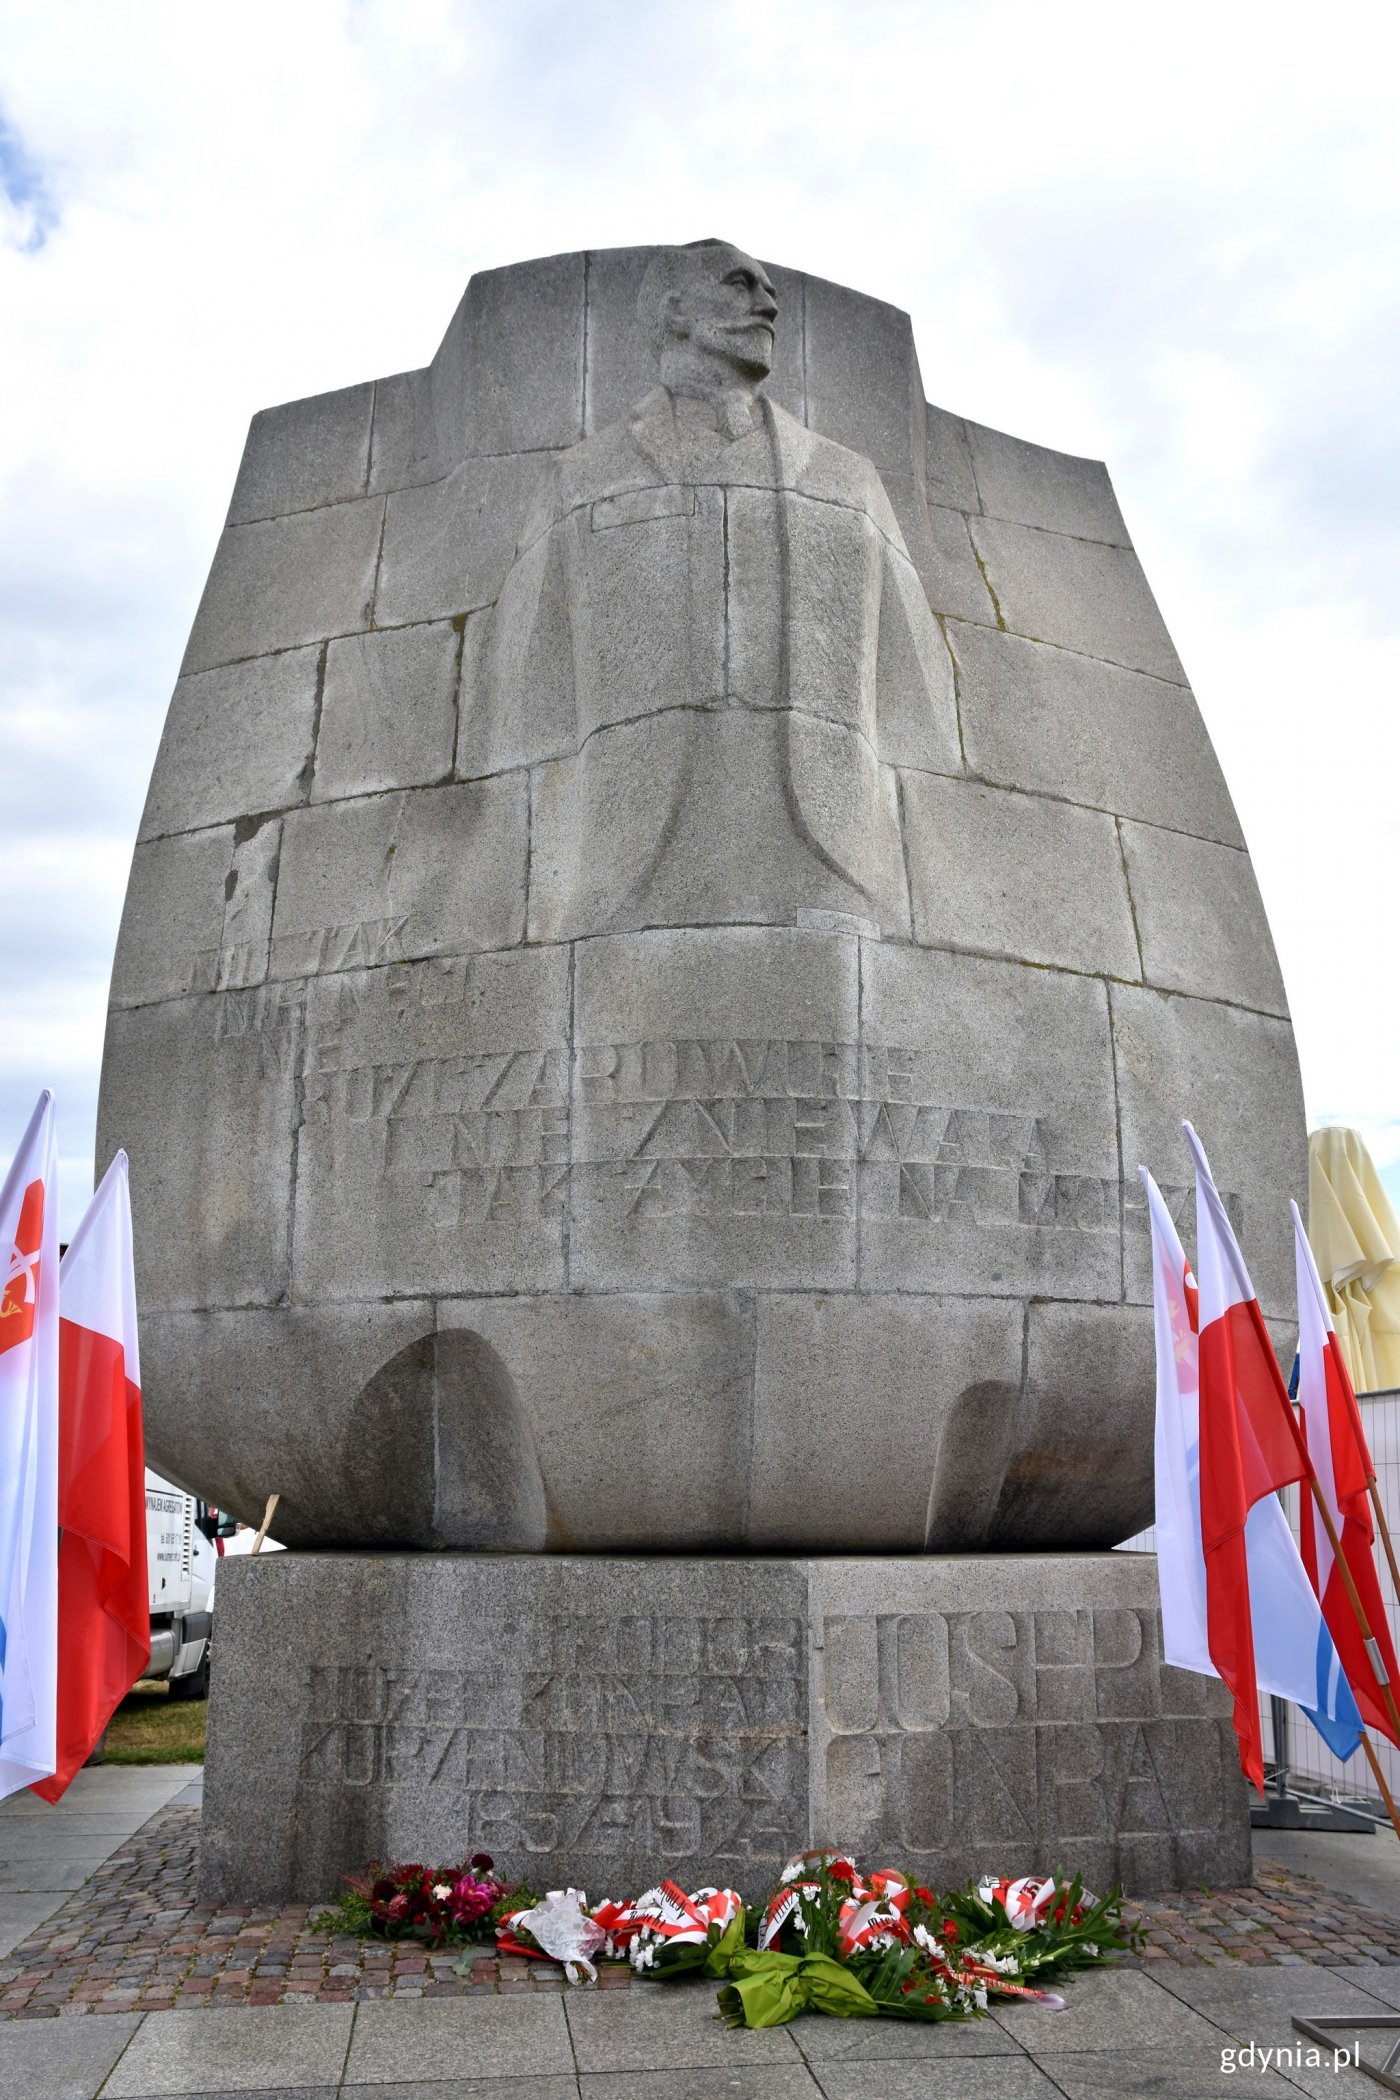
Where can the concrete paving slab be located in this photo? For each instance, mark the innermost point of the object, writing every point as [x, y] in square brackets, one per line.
[21, 1911]
[1367, 1869]
[665, 2025]
[27, 1839]
[1112, 2010]
[560, 2088]
[244, 2049]
[1173, 2074]
[791, 2081]
[825, 2042]
[522, 2037]
[1257, 2006]
[61, 2059]
[37, 1876]
[978, 2078]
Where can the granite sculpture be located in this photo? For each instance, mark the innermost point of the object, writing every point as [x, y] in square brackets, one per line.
[665, 920]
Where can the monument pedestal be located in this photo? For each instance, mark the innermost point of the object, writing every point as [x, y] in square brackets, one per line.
[605, 1721]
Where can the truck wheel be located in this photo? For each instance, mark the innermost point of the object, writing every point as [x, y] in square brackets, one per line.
[195, 1683]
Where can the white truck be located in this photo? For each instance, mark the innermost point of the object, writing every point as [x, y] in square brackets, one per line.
[181, 1558]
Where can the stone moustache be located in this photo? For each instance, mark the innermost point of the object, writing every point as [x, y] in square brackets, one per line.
[666, 918]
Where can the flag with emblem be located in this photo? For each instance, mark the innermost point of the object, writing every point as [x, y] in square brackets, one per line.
[29, 1455]
[104, 1617]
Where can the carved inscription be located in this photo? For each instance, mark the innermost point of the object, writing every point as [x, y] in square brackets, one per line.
[681, 1735]
[1017, 1727]
[706, 1127]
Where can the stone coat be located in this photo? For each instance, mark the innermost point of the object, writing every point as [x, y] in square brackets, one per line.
[723, 641]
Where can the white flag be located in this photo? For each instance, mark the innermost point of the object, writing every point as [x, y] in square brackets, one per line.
[29, 1456]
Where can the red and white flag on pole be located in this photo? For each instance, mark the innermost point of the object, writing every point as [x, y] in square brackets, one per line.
[1265, 1628]
[29, 1453]
[1236, 1601]
[1337, 1447]
[104, 1618]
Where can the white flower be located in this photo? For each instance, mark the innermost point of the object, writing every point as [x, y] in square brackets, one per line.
[442, 1891]
[1090, 1948]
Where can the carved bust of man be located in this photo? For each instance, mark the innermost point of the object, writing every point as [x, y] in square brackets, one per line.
[713, 645]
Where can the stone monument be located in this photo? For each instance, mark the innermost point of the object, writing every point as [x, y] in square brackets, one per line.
[666, 917]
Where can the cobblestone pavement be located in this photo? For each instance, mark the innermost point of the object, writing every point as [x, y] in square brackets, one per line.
[135, 1939]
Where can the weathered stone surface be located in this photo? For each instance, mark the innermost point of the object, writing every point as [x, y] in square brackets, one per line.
[1180, 1057]
[303, 455]
[678, 1368]
[1036, 717]
[388, 711]
[965, 1709]
[863, 385]
[434, 1149]
[956, 582]
[287, 582]
[204, 1098]
[1017, 875]
[599, 988]
[1080, 594]
[173, 922]
[236, 741]
[948, 475]
[1053, 490]
[601, 1720]
[711, 1140]
[447, 546]
[301, 1430]
[813, 1485]
[993, 1169]
[387, 877]
[1201, 919]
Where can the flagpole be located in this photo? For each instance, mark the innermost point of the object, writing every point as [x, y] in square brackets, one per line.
[1379, 1776]
[1386, 1689]
[1386, 1539]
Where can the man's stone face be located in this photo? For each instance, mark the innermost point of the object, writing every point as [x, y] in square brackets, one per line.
[726, 305]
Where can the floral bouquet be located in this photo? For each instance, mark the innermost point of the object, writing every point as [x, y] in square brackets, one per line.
[436, 1904]
[1042, 1922]
[671, 1932]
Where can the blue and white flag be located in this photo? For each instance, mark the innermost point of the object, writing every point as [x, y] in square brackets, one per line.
[29, 1456]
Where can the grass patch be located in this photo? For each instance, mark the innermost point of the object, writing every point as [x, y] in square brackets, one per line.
[151, 1728]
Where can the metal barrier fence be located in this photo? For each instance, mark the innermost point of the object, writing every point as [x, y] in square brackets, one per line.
[1312, 1771]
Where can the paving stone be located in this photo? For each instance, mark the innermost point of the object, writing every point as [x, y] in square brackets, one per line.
[491, 2035]
[674, 2026]
[61, 2063]
[226, 2050]
[1112, 2010]
[977, 2078]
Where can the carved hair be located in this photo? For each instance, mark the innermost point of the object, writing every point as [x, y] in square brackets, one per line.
[665, 274]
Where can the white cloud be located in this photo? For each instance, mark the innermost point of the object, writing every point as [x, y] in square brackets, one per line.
[1161, 235]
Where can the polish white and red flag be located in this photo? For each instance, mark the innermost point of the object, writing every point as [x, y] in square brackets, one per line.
[29, 1454]
[1236, 1600]
[1337, 1446]
[104, 1622]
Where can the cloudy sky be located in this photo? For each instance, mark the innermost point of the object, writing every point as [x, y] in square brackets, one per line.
[1161, 235]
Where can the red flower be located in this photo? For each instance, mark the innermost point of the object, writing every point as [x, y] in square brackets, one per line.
[950, 1928]
[481, 1862]
[924, 1895]
[842, 1870]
